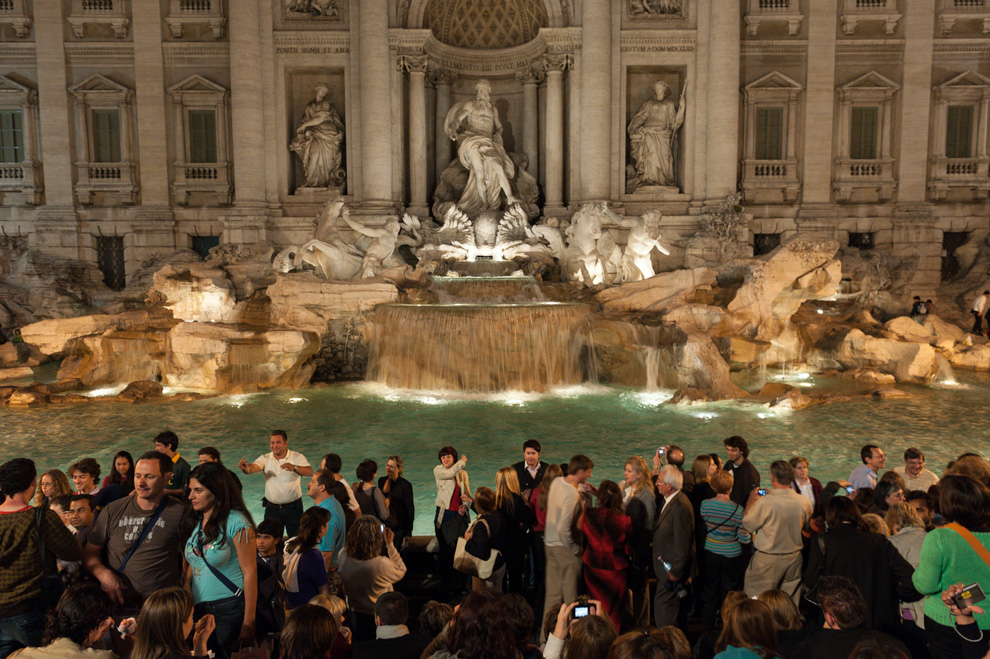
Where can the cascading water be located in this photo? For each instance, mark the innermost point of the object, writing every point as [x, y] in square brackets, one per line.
[482, 348]
[944, 376]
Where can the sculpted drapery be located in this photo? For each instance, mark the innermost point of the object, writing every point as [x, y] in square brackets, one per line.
[317, 141]
[651, 133]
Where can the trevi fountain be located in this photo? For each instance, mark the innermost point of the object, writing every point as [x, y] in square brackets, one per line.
[494, 313]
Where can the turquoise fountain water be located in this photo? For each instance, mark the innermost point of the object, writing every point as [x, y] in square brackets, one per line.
[363, 420]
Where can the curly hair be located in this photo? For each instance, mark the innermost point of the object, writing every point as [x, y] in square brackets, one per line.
[81, 609]
[639, 464]
[364, 538]
[59, 482]
[481, 628]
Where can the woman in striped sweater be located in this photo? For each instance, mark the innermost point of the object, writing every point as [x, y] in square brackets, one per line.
[724, 562]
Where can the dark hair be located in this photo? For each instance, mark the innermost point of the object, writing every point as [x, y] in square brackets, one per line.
[271, 527]
[210, 451]
[750, 625]
[310, 525]
[578, 463]
[86, 466]
[782, 472]
[919, 495]
[717, 459]
[878, 646]
[392, 608]
[226, 498]
[309, 633]
[116, 478]
[841, 597]
[284, 435]
[366, 470]
[164, 462]
[641, 644]
[340, 494]
[168, 438]
[447, 450]
[332, 462]
[917, 297]
[675, 455]
[964, 501]
[866, 452]
[434, 617]
[610, 496]
[533, 444]
[521, 616]
[591, 637]
[843, 510]
[63, 501]
[739, 443]
[883, 490]
[325, 479]
[481, 629]
[17, 475]
[159, 628]
[484, 500]
[88, 498]
[81, 609]
[913, 454]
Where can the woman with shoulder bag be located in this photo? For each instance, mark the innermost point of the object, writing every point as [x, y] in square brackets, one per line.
[222, 569]
[725, 564]
[485, 536]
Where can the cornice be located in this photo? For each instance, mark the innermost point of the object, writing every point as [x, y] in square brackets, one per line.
[180, 53]
[100, 52]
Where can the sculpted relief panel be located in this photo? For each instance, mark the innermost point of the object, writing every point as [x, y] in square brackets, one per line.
[321, 9]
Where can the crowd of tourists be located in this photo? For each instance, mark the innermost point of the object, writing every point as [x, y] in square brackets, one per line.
[160, 559]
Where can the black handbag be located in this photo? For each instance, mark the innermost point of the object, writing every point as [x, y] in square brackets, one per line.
[51, 583]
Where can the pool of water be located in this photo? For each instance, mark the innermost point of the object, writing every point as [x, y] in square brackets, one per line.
[360, 421]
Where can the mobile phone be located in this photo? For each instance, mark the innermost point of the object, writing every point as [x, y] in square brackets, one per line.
[850, 489]
[383, 527]
[969, 596]
[661, 451]
[762, 491]
[582, 610]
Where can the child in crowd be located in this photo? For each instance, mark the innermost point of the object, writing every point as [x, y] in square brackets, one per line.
[270, 612]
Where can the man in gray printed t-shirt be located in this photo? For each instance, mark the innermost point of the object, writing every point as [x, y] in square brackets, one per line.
[157, 563]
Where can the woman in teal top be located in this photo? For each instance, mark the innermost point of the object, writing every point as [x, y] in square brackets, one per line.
[222, 571]
[725, 565]
[749, 633]
[947, 558]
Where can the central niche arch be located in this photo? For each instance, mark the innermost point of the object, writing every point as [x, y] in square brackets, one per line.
[483, 24]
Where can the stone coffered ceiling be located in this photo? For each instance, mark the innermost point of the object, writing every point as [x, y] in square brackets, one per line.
[482, 24]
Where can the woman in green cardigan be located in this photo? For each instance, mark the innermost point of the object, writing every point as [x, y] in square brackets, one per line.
[957, 552]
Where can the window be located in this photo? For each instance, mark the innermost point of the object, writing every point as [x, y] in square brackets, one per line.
[861, 241]
[769, 133]
[11, 136]
[203, 244]
[863, 138]
[764, 243]
[202, 136]
[110, 259]
[951, 241]
[106, 136]
[958, 131]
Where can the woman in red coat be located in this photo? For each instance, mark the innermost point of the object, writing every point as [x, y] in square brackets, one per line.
[607, 549]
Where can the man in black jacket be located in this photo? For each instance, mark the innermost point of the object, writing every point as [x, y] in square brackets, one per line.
[745, 477]
[392, 637]
[531, 469]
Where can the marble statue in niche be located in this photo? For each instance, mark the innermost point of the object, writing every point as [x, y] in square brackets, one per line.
[475, 126]
[318, 140]
[655, 7]
[651, 135]
[316, 8]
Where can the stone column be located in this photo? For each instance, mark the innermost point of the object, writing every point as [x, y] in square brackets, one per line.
[596, 98]
[441, 80]
[916, 106]
[376, 102]
[247, 108]
[416, 66]
[149, 76]
[819, 104]
[53, 101]
[530, 79]
[723, 107]
[553, 187]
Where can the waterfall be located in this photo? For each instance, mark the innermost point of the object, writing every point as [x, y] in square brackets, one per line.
[652, 355]
[944, 375]
[482, 348]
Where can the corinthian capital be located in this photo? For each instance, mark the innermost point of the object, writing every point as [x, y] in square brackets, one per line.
[530, 76]
[413, 63]
[557, 62]
[440, 76]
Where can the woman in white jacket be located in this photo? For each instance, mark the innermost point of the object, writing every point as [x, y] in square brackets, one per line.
[451, 520]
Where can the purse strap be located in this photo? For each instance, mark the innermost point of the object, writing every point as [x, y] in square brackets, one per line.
[971, 539]
[221, 577]
[144, 533]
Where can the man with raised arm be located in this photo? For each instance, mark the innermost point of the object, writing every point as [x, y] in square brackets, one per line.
[282, 469]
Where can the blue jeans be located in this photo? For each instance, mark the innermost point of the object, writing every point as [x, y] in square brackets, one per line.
[229, 615]
[21, 631]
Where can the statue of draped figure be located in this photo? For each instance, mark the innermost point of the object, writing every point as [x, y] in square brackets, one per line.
[651, 133]
[317, 142]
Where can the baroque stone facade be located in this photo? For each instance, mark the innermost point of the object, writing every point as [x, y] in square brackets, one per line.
[132, 128]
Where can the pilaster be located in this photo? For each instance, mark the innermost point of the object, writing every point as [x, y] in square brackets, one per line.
[149, 79]
[53, 100]
[596, 100]
[917, 100]
[376, 103]
[723, 103]
[819, 105]
[247, 108]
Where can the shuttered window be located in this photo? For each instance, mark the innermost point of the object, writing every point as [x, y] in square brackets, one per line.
[863, 135]
[769, 133]
[959, 131]
[202, 136]
[11, 136]
[106, 135]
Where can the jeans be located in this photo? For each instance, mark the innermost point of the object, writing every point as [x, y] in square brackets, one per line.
[287, 513]
[229, 615]
[21, 631]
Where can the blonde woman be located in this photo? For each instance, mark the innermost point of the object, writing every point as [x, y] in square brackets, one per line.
[164, 624]
[338, 607]
[907, 534]
[517, 520]
[51, 485]
[640, 504]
